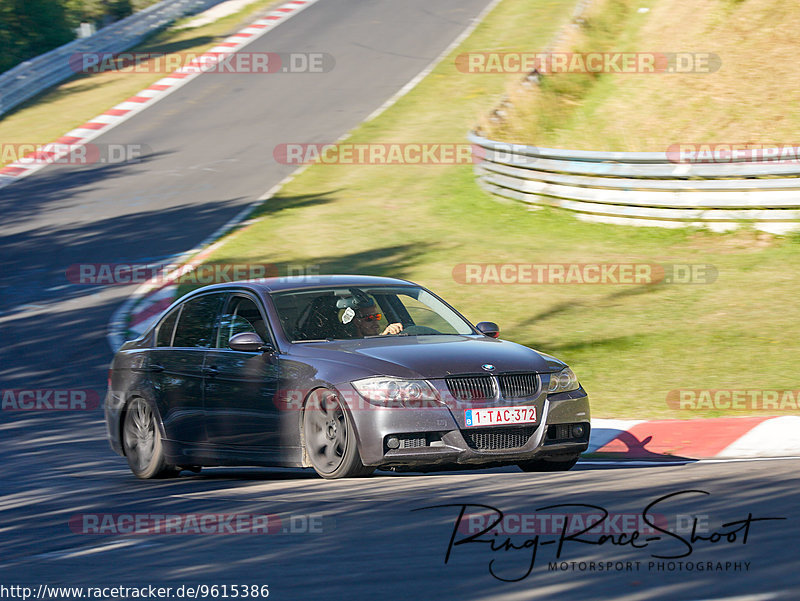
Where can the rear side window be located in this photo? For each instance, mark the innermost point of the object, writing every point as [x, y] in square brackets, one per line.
[166, 329]
[197, 322]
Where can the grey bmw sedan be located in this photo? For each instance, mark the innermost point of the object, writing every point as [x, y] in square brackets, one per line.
[343, 374]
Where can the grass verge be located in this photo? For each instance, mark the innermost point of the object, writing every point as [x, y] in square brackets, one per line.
[629, 344]
[745, 100]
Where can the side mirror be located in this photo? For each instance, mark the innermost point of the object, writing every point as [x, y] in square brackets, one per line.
[488, 328]
[248, 342]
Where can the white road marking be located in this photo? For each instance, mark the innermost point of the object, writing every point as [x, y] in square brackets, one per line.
[779, 434]
[635, 462]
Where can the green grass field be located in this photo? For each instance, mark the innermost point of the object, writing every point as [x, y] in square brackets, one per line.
[747, 99]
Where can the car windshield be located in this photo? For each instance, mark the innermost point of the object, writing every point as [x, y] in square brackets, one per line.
[345, 313]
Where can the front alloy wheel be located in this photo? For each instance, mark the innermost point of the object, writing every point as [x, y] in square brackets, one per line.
[330, 440]
[141, 440]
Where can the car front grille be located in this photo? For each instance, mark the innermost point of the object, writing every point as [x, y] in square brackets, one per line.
[485, 387]
[518, 386]
[496, 439]
[472, 388]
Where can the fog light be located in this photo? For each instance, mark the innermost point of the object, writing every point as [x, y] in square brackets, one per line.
[577, 431]
[393, 442]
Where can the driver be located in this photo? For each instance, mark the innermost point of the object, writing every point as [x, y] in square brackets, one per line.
[366, 321]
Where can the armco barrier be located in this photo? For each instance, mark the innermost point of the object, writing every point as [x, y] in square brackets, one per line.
[644, 188]
[36, 75]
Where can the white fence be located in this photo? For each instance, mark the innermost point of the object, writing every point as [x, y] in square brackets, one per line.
[644, 188]
[36, 75]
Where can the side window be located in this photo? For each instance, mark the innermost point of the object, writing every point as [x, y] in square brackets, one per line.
[167, 327]
[425, 316]
[197, 322]
[242, 315]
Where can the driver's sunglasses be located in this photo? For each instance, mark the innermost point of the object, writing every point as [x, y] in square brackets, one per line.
[371, 317]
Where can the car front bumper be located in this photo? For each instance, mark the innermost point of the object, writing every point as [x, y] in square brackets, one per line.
[437, 435]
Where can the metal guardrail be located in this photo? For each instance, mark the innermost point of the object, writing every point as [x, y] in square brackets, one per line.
[31, 77]
[643, 188]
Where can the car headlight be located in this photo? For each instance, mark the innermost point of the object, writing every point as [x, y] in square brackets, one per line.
[563, 381]
[386, 390]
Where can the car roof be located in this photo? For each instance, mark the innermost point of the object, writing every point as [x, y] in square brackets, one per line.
[269, 285]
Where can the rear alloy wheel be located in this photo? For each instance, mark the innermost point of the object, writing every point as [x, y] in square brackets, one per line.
[330, 440]
[141, 440]
[556, 464]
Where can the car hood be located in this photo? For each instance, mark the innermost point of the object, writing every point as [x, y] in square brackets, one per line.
[432, 356]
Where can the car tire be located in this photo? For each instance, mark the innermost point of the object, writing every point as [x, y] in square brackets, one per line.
[329, 438]
[141, 442]
[556, 464]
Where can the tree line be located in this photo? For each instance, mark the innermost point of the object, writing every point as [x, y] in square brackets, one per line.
[32, 27]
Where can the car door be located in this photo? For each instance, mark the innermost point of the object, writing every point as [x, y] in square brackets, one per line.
[240, 388]
[176, 366]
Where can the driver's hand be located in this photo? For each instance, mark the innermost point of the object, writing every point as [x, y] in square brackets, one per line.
[392, 328]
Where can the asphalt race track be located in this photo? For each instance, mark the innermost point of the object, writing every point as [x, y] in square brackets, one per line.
[363, 539]
[211, 154]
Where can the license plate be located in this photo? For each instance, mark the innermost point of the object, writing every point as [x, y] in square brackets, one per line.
[500, 416]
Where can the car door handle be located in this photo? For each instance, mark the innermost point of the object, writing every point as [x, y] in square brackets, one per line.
[210, 371]
[149, 368]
